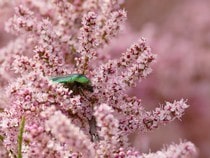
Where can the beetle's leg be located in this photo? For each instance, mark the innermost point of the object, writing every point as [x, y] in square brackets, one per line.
[71, 87]
[79, 89]
[81, 92]
[89, 88]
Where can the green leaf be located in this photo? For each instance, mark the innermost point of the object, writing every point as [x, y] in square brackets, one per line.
[20, 137]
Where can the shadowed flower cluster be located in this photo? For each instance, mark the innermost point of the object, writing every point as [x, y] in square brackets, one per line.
[58, 38]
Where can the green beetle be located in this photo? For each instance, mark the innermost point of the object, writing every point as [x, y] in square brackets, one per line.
[75, 82]
[78, 82]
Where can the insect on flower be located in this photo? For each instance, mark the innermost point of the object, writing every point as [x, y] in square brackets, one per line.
[76, 82]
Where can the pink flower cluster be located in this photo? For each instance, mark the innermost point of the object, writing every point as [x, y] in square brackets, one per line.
[182, 69]
[58, 37]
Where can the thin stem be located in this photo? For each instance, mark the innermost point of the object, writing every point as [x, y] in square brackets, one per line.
[1, 138]
[85, 65]
[20, 137]
[82, 93]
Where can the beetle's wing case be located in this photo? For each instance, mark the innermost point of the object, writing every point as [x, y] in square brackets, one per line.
[63, 79]
[79, 78]
[82, 79]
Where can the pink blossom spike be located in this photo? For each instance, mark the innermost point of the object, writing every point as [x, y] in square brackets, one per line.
[164, 114]
[63, 130]
[109, 132]
[182, 150]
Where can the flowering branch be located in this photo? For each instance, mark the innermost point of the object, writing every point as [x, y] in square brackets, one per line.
[165, 114]
[184, 149]
[65, 119]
